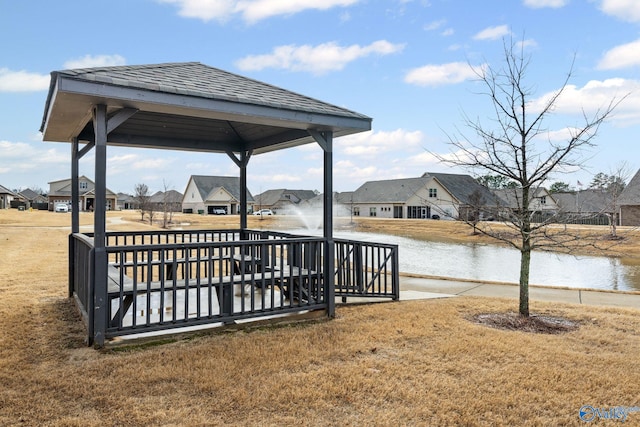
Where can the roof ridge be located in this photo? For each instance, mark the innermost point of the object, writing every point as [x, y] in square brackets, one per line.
[86, 70]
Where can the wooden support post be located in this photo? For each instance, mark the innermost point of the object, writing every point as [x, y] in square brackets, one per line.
[99, 215]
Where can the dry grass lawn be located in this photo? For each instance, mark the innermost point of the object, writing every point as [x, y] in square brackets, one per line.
[387, 364]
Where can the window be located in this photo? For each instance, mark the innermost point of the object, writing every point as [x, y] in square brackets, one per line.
[543, 200]
[356, 211]
[433, 192]
[83, 185]
[372, 212]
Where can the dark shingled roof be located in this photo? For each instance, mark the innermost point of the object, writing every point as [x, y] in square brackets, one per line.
[5, 190]
[512, 197]
[200, 80]
[189, 106]
[271, 197]
[388, 191]
[230, 183]
[463, 186]
[631, 193]
[584, 201]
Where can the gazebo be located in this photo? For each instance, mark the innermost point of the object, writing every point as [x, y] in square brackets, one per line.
[128, 283]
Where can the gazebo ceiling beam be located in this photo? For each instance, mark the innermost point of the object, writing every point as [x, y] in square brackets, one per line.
[119, 117]
[288, 137]
[84, 150]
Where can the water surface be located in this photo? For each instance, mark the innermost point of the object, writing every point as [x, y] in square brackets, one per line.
[490, 262]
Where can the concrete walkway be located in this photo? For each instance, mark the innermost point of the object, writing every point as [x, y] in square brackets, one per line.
[421, 288]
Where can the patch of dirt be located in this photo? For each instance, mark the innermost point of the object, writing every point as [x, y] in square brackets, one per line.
[538, 324]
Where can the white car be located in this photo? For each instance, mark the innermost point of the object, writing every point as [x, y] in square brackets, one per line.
[263, 212]
[61, 207]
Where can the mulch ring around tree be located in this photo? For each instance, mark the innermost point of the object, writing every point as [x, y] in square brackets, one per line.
[539, 324]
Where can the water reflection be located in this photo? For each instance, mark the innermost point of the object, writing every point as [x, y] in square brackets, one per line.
[488, 262]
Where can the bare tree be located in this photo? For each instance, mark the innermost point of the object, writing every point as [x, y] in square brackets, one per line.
[612, 185]
[518, 148]
[142, 198]
[167, 205]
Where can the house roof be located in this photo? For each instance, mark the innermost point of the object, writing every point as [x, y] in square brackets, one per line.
[188, 106]
[169, 196]
[631, 193]
[388, 191]
[205, 184]
[512, 197]
[271, 197]
[29, 194]
[586, 201]
[463, 187]
[5, 190]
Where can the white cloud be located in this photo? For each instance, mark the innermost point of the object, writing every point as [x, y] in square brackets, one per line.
[371, 144]
[622, 56]
[434, 25]
[627, 10]
[283, 178]
[205, 10]
[123, 165]
[21, 157]
[22, 81]
[316, 59]
[539, 4]
[493, 33]
[257, 10]
[527, 43]
[250, 10]
[598, 95]
[438, 75]
[89, 61]
[349, 170]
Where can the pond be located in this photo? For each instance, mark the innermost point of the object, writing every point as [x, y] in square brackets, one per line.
[489, 262]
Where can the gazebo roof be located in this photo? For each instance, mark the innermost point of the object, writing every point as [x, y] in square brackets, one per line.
[188, 106]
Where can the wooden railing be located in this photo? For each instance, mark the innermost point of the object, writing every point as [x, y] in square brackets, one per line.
[161, 280]
[366, 269]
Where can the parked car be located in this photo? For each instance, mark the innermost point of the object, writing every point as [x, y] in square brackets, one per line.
[219, 211]
[61, 207]
[263, 212]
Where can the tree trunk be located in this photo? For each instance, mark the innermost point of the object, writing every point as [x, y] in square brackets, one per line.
[613, 220]
[525, 264]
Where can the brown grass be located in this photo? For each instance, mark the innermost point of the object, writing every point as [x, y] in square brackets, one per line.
[403, 363]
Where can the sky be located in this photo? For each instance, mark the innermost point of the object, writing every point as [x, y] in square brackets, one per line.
[407, 64]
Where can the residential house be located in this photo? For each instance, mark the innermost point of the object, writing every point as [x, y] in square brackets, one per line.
[433, 195]
[282, 200]
[60, 192]
[591, 206]
[540, 200]
[166, 201]
[205, 194]
[6, 197]
[127, 202]
[629, 202]
[34, 199]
